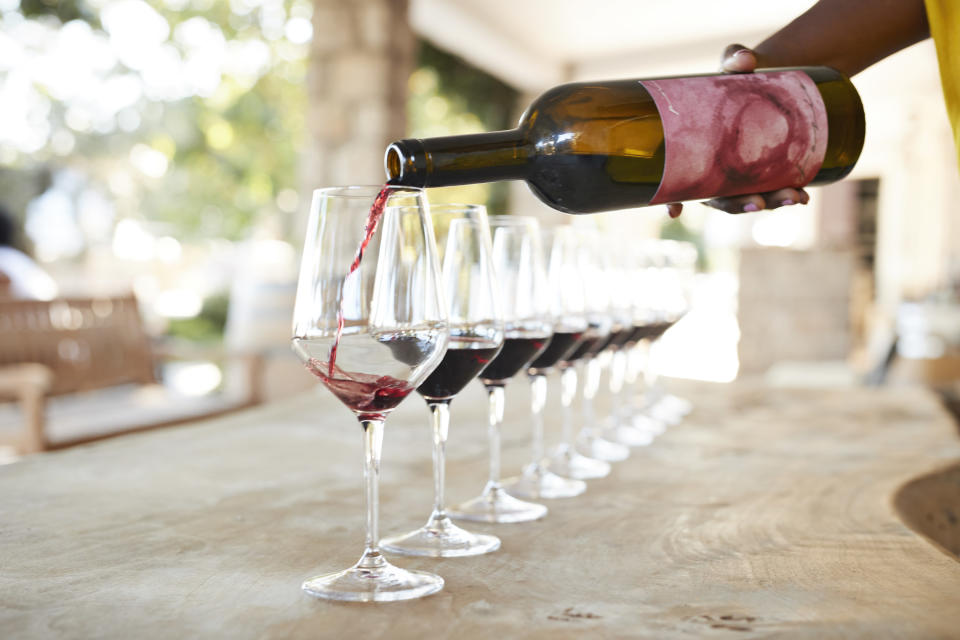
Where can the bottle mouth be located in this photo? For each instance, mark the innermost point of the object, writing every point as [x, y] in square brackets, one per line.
[393, 163]
[405, 162]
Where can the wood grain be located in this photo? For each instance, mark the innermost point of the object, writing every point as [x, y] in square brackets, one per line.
[768, 513]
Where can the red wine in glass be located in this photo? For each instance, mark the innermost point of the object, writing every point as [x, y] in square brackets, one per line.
[465, 358]
[621, 336]
[561, 344]
[368, 395]
[515, 355]
[660, 328]
[640, 332]
[476, 334]
[588, 347]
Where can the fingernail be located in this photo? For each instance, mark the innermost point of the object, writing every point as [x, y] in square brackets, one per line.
[750, 207]
[787, 202]
[736, 54]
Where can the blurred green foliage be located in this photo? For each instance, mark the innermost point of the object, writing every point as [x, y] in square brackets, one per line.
[63, 10]
[207, 326]
[229, 154]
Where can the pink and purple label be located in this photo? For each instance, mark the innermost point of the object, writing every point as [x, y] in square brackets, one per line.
[735, 134]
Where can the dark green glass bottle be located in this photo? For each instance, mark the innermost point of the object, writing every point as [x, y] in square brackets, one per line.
[596, 146]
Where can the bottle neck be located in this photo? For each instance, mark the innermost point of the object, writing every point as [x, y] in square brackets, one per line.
[453, 160]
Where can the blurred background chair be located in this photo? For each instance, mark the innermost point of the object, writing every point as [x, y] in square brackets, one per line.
[82, 369]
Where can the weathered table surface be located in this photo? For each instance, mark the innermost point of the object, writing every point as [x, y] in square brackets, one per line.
[768, 512]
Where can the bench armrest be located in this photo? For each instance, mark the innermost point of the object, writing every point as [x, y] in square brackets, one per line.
[29, 377]
[28, 384]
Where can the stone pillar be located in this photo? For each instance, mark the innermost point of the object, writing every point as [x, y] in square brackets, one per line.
[361, 56]
[794, 306]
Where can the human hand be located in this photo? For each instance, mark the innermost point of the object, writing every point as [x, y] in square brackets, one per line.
[739, 59]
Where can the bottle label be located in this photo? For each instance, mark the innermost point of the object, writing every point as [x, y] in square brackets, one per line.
[738, 134]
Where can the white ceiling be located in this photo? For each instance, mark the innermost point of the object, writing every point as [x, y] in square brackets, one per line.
[534, 43]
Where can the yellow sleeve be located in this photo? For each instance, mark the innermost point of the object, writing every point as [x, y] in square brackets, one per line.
[944, 19]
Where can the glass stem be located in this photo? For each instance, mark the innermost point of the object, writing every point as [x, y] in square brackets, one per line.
[617, 371]
[568, 391]
[495, 395]
[650, 375]
[372, 445]
[538, 398]
[590, 384]
[440, 412]
[633, 368]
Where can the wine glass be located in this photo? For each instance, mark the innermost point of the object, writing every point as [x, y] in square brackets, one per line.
[627, 278]
[599, 314]
[476, 335]
[647, 316]
[518, 264]
[673, 297]
[369, 321]
[568, 311]
[564, 459]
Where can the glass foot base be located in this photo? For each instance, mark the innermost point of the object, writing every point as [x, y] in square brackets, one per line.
[663, 411]
[440, 538]
[568, 463]
[601, 449]
[373, 579]
[496, 505]
[538, 482]
[629, 436]
[646, 423]
[681, 406]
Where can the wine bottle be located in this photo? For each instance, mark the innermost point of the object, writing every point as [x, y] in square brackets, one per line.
[595, 146]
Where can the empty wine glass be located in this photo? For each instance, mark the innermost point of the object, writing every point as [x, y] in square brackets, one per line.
[518, 264]
[370, 323]
[476, 335]
[568, 311]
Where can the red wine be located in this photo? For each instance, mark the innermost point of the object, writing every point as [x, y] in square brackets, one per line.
[650, 331]
[659, 328]
[516, 354]
[369, 396]
[607, 341]
[560, 345]
[638, 333]
[587, 347]
[621, 337]
[461, 364]
[373, 219]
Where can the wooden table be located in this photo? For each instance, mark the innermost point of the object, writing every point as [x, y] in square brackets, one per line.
[767, 513]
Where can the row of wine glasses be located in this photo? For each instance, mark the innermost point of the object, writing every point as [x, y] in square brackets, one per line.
[663, 273]
[384, 308]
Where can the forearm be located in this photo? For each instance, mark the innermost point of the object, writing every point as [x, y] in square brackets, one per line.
[848, 35]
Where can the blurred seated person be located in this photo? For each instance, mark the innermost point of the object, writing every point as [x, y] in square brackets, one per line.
[20, 276]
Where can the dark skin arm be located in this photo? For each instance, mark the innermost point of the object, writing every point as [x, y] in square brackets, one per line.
[848, 35]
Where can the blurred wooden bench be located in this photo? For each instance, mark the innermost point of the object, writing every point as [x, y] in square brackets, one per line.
[82, 369]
